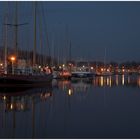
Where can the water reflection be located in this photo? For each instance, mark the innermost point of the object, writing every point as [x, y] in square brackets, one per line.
[116, 80]
[57, 110]
[71, 87]
[99, 81]
[80, 87]
[96, 104]
[20, 101]
[19, 107]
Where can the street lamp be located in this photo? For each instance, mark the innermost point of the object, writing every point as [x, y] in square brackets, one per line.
[12, 60]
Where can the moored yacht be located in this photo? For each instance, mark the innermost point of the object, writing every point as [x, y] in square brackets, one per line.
[15, 76]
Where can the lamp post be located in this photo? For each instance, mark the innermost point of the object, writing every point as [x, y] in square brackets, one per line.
[12, 60]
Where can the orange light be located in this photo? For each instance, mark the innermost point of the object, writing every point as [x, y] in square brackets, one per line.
[13, 58]
[102, 69]
[102, 81]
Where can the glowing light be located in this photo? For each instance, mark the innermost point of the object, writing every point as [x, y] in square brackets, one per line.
[122, 79]
[102, 69]
[83, 66]
[69, 92]
[102, 81]
[39, 67]
[91, 68]
[107, 81]
[63, 65]
[108, 70]
[13, 58]
[123, 70]
[11, 106]
[4, 97]
[1, 64]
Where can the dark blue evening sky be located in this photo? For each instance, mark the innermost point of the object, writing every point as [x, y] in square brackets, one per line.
[92, 27]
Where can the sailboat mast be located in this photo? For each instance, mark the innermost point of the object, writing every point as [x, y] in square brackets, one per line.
[34, 50]
[5, 40]
[16, 30]
[16, 25]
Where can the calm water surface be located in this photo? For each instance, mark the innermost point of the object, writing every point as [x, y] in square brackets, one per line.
[107, 107]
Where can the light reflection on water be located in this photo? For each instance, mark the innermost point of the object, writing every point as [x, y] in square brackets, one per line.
[106, 107]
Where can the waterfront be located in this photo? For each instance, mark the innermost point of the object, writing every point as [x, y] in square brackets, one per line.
[107, 107]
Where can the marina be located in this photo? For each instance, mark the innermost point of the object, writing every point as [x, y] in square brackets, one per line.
[69, 70]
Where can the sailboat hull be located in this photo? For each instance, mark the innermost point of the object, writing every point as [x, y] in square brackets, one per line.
[25, 80]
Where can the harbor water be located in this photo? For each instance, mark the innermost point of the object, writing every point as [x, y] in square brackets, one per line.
[106, 107]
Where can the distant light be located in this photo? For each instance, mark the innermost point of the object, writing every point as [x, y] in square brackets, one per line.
[1, 64]
[83, 66]
[102, 69]
[107, 81]
[91, 68]
[4, 97]
[63, 65]
[39, 67]
[122, 79]
[108, 70]
[13, 58]
[102, 81]
[11, 106]
[60, 67]
[70, 92]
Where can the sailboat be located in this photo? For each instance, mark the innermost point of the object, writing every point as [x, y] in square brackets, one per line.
[30, 79]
